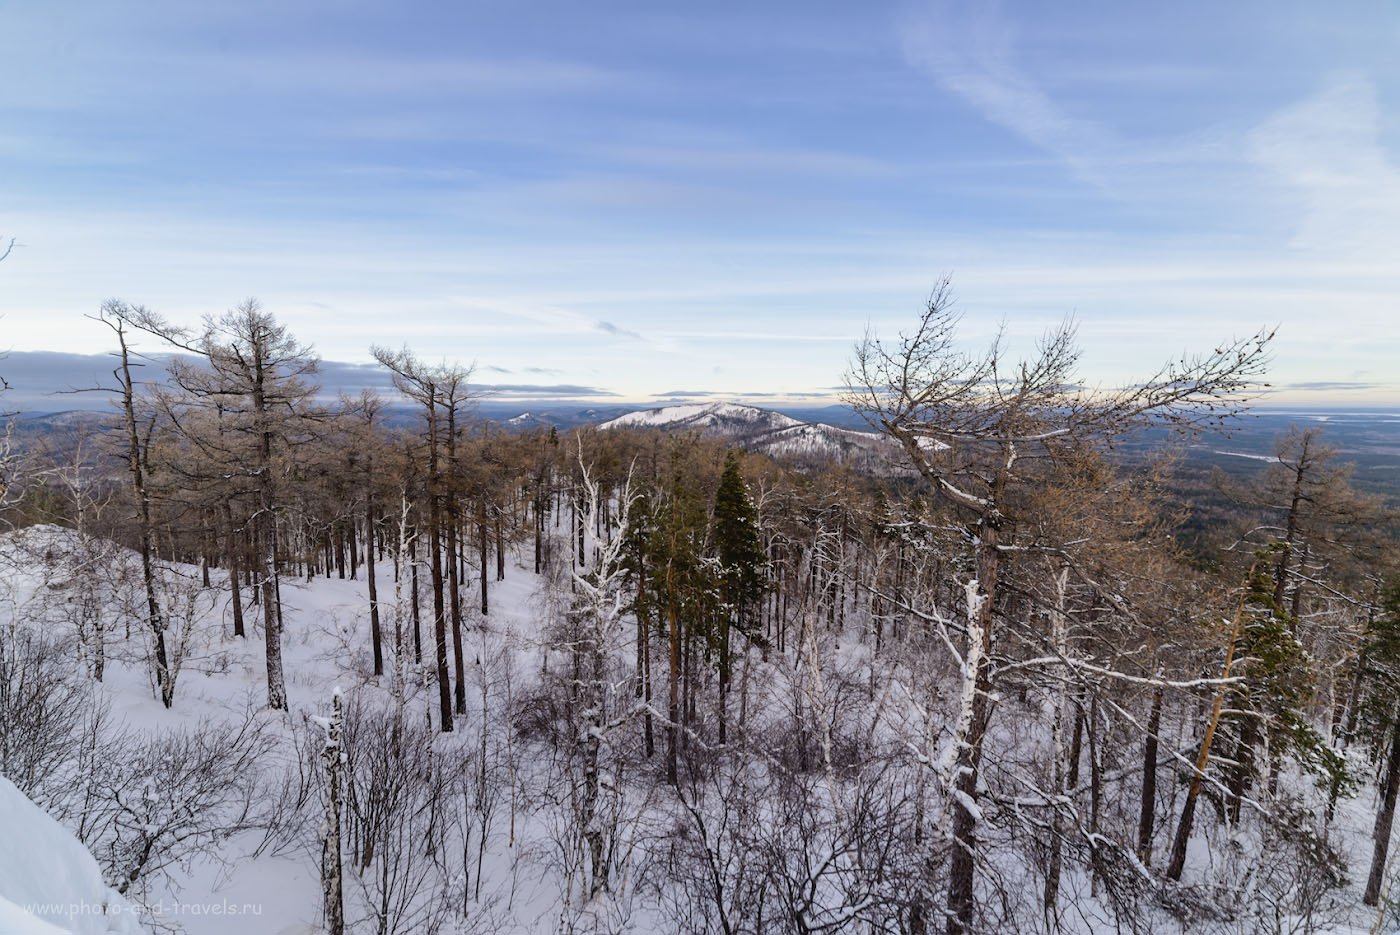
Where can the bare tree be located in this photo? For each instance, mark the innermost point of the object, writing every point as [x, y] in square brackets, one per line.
[148, 803]
[974, 427]
[599, 693]
[122, 319]
[333, 899]
[252, 375]
[441, 391]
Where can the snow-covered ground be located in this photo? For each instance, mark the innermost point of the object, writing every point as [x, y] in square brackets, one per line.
[242, 885]
[519, 872]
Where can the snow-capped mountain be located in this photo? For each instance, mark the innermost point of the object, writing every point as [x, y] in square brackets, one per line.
[766, 431]
[721, 418]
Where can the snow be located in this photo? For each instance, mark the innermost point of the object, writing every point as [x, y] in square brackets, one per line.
[1244, 454]
[930, 444]
[326, 647]
[968, 805]
[48, 881]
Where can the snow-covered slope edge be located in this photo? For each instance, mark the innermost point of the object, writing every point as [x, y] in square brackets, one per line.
[49, 882]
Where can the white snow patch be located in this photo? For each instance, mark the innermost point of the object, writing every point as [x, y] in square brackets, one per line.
[49, 882]
[1244, 454]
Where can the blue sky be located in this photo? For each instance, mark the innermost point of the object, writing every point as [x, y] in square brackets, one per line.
[642, 199]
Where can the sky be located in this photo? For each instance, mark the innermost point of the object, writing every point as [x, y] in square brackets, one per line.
[638, 201]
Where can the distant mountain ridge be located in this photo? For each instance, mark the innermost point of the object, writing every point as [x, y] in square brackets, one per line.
[766, 431]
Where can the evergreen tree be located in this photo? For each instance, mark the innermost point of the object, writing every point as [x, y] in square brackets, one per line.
[741, 559]
[738, 544]
[1269, 705]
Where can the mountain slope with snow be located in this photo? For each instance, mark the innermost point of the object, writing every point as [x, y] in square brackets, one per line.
[768, 432]
[726, 418]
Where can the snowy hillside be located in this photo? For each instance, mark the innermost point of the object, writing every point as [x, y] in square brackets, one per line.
[226, 791]
[243, 852]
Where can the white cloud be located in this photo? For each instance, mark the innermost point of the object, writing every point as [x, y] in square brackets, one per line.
[1327, 148]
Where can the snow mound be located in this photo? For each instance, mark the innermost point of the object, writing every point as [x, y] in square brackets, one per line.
[49, 882]
[39, 538]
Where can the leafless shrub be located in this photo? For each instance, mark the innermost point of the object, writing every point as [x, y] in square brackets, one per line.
[44, 710]
[409, 866]
[143, 805]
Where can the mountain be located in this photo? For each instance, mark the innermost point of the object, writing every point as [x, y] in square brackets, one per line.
[512, 417]
[728, 419]
[771, 433]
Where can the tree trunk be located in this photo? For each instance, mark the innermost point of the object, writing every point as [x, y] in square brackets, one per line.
[1147, 812]
[136, 464]
[235, 548]
[976, 717]
[375, 634]
[500, 550]
[1193, 791]
[673, 710]
[482, 558]
[331, 886]
[417, 603]
[1385, 819]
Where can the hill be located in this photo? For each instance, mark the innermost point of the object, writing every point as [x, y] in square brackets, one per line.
[769, 432]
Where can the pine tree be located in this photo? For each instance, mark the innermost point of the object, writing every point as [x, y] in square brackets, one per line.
[741, 559]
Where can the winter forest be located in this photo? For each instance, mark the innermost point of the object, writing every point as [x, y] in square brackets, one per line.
[381, 665]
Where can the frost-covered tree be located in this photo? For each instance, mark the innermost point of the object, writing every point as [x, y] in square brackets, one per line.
[979, 429]
[1379, 723]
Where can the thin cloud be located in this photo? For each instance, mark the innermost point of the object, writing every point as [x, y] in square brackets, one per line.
[969, 49]
[556, 391]
[43, 381]
[610, 328]
[1329, 385]
[1328, 148]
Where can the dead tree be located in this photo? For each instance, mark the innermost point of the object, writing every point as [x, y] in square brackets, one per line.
[122, 319]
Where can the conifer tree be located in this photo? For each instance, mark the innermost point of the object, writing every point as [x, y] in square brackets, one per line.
[741, 559]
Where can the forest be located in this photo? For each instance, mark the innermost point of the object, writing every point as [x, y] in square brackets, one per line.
[402, 670]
